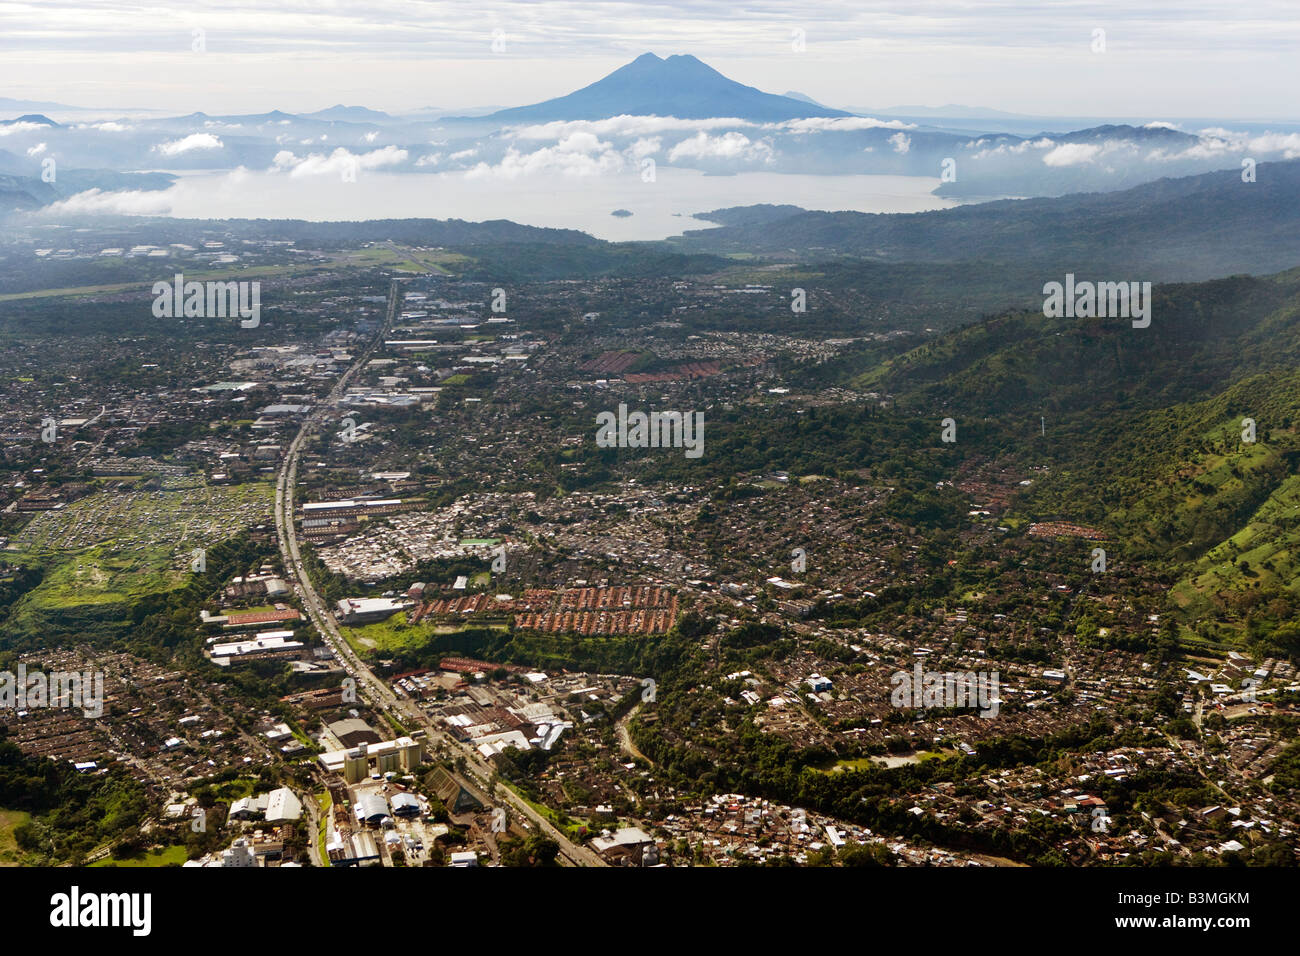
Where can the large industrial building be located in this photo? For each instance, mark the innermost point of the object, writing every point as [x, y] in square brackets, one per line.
[267, 645]
[355, 611]
[278, 806]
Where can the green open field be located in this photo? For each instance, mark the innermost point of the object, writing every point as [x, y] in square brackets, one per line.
[571, 829]
[1269, 543]
[98, 576]
[166, 856]
[326, 807]
[231, 790]
[867, 763]
[9, 819]
[395, 634]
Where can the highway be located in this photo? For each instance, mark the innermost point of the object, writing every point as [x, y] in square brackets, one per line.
[369, 686]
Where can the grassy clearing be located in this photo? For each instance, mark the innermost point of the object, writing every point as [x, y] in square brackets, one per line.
[231, 790]
[10, 855]
[1263, 553]
[394, 634]
[569, 829]
[107, 551]
[881, 761]
[326, 807]
[164, 856]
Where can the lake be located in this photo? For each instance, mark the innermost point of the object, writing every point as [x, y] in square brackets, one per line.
[659, 209]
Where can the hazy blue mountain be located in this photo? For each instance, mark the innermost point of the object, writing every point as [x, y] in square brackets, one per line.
[349, 114]
[30, 118]
[679, 86]
[12, 163]
[1144, 135]
[803, 98]
[23, 193]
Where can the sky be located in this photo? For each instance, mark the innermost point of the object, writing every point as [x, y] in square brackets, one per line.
[1155, 58]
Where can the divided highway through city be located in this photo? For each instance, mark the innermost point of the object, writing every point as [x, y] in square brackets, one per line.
[375, 690]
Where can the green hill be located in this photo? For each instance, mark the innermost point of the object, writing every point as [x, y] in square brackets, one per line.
[1140, 432]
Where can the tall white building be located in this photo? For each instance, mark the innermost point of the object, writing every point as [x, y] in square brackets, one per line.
[238, 854]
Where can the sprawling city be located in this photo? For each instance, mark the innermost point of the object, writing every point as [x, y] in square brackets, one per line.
[699, 525]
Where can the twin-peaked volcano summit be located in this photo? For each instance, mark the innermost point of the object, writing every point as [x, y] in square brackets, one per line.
[680, 86]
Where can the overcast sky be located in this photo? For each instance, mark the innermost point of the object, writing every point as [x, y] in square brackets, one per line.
[1162, 58]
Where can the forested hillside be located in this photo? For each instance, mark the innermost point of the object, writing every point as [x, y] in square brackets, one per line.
[1145, 432]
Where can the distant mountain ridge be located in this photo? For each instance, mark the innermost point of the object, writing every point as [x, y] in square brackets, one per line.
[350, 114]
[34, 118]
[680, 86]
[1188, 228]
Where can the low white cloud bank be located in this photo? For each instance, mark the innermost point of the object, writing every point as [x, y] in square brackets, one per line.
[1072, 154]
[111, 126]
[337, 162]
[730, 145]
[643, 126]
[1211, 144]
[188, 143]
[578, 154]
[9, 129]
[125, 202]
[623, 125]
[1216, 143]
[580, 150]
[646, 146]
[1009, 149]
[836, 124]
